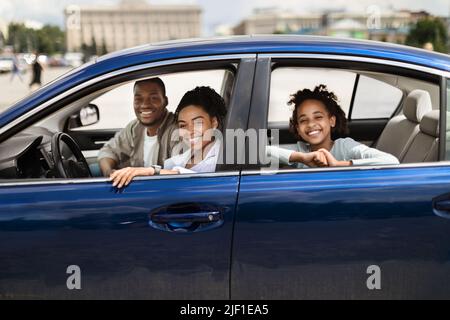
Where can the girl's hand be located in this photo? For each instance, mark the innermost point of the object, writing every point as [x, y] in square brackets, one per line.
[315, 159]
[332, 162]
[124, 176]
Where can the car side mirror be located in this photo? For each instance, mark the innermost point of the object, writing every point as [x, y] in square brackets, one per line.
[86, 116]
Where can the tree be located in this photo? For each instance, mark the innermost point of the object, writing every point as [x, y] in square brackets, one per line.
[103, 50]
[49, 39]
[90, 50]
[94, 48]
[20, 37]
[431, 30]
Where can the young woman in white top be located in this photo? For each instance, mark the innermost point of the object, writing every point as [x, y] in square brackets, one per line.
[199, 113]
[319, 124]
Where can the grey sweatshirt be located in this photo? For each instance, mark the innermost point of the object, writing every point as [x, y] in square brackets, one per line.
[343, 149]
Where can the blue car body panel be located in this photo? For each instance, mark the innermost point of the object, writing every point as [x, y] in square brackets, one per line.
[309, 234]
[312, 235]
[46, 228]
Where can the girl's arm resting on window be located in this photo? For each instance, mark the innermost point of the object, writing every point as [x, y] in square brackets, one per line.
[180, 170]
[363, 155]
[283, 155]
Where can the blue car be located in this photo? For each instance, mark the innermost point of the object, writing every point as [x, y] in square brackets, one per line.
[246, 231]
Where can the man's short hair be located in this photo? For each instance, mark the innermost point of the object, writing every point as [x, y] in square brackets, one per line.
[156, 80]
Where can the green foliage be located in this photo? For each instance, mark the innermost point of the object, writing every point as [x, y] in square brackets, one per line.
[93, 49]
[48, 40]
[103, 49]
[431, 30]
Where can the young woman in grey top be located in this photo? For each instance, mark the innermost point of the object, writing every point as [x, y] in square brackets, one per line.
[319, 124]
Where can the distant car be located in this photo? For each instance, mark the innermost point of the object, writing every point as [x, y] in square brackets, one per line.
[74, 59]
[6, 64]
[246, 231]
[57, 61]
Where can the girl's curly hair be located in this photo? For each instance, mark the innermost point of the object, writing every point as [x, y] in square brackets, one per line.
[330, 102]
[209, 100]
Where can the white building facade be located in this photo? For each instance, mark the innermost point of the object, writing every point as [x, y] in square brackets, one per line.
[131, 23]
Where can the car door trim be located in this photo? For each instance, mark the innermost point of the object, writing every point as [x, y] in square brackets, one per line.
[352, 58]
[268, 171]
[18, 183]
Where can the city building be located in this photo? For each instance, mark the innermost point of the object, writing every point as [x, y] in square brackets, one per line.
[389, 26]
[269, 21]
[375, 24]
[131, 23]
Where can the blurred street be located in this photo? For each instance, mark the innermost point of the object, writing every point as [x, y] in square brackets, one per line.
[14, 91]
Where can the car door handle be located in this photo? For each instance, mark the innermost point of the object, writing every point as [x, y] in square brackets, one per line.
[186, 222]
[441, 206]
[199, 217]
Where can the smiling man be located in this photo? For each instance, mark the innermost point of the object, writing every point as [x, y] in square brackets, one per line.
[145, 141]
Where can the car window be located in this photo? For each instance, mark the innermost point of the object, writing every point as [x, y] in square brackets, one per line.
[287, 81]
[51, 145]
[375, 99]
[362, 95]
[116, 106]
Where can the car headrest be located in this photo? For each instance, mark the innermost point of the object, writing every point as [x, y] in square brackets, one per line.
[417, 104]
[430, 123]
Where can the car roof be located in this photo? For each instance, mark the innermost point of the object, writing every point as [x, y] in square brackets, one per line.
[286, 44]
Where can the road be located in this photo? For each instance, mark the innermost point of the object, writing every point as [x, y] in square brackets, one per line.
[15, 90]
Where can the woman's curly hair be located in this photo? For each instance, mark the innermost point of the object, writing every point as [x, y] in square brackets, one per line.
[209, 100]
[330, 102]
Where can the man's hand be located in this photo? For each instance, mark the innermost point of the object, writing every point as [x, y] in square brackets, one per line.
[124, 176]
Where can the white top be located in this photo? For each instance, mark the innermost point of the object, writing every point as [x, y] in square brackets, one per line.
[343, 149]
[151, 149]
[208, 164]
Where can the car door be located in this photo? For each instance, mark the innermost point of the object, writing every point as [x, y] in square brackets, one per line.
[161, 237]
[367, 232]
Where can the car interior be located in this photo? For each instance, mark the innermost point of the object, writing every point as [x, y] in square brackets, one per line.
[410, 133]
[405, 126]
[39, 152]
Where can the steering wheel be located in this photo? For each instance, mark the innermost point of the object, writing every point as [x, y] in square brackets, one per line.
[68, 159]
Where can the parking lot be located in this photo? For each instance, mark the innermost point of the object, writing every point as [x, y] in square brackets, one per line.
[13, 91]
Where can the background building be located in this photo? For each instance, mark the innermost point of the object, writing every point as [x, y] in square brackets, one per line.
[268, 21]
[391, 26]
[131, 23]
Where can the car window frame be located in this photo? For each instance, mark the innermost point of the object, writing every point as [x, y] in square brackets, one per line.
[237, 116]
[82, 129]
[352, 102]
[267, 62]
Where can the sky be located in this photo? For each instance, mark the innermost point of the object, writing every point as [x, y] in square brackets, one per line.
[215, 12]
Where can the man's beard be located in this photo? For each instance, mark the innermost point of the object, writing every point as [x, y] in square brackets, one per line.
[150, 124]
[154, 122]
